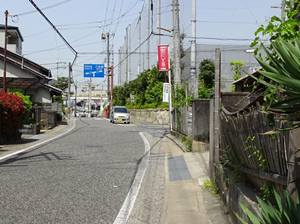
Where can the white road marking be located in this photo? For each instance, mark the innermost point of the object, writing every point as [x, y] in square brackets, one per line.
[125, 211]
[126, 125]
[38, 144]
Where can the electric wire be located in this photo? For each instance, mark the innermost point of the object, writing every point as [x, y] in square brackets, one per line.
[129, 54]
[43, 9]
[107, 5]
[113, 12]
[120, 12]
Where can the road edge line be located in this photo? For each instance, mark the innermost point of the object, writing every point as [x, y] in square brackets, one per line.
[39, 144]
[131, 197]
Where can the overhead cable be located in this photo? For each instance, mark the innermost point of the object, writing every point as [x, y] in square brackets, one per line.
[43, 9]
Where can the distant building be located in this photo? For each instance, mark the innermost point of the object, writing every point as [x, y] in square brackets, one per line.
[228, 54]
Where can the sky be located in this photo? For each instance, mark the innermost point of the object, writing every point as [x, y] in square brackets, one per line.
[81, 22]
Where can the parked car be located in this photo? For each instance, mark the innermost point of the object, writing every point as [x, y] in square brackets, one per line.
[81, 114]
[94, 113]
[119, 114]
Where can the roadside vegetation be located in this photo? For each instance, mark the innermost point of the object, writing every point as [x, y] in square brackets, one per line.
[12, 109]
[206, 79]
[280, 74]
[143, 92]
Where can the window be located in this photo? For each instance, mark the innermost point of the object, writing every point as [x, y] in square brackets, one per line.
[120, 110]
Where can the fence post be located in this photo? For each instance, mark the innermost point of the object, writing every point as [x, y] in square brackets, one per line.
[217, 107]
[211, 140]
[293, 166]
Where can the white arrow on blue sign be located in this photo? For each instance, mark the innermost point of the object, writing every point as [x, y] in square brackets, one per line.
[93, 71]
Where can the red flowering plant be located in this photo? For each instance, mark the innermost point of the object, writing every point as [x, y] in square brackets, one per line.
[10, 117]
[12, 102]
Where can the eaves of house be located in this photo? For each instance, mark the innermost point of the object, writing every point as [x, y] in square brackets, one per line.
[39, 75]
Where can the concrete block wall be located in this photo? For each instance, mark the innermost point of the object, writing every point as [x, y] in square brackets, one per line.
[149, 116]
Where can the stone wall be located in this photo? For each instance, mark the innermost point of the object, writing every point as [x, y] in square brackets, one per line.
[201, 120]
[149, 116]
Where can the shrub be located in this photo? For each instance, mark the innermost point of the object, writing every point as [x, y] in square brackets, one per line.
[283, 211]
[206, 78]
[11, 115]
[12, 102]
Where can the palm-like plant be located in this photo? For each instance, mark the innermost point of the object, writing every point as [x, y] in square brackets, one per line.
[282, 66]
[283, 211]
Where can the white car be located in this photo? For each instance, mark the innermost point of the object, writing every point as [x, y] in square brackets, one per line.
[119, 114]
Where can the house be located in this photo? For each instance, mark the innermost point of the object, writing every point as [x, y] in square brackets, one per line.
[14, 40]
[26, 75]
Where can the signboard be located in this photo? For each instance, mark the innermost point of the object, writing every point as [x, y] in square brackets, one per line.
[166, 92]
[93, 71]
[163, 58]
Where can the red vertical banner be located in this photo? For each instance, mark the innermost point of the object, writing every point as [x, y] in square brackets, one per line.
[163, 58]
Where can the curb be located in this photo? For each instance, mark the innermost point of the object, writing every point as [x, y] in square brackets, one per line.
[40, 144]
[177, 142]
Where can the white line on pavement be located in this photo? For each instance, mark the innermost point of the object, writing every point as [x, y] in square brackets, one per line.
[38, 144]
[129, 202]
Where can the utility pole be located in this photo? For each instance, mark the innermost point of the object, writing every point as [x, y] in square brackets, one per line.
[66, 42]
[176, 42]
[283, 4]
[69, 89]
[108, 64]
[119, 69]
[282, 8]
[159, 20]
[140, 41]
[106, 36]
[129, 50]
[75, 106]
[194, 79]
[5, 53]
[112, 77]
[127, 55]
[148, 29]
[170, 93]
[217, 106]
[112, 84]
[90, 90]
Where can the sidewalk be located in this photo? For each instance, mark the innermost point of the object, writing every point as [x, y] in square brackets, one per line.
[172, 190]
[33, 140]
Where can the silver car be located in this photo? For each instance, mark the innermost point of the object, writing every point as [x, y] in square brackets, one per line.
[119, 114]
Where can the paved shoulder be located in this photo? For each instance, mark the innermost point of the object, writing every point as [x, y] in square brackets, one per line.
[150, 202]
[171, 192]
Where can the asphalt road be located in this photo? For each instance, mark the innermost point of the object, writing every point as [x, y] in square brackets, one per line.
[82, 177]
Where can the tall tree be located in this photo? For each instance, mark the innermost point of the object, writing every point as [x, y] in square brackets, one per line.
[61, 83]
[206, 78]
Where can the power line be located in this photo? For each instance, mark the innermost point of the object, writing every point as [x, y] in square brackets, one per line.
[126, 12]
[120, 11]
[56, 30]
[231, 22]
[221, 38]
[43, 9]
[113, 12]
[141, 44]
[212, 38]
[107, 5]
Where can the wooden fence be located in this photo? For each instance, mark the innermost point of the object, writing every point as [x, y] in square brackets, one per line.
[246, 146]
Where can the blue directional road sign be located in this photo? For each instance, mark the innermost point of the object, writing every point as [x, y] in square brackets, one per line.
[93, 71]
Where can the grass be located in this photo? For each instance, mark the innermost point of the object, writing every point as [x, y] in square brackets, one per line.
[187, 142]
[210, 186]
